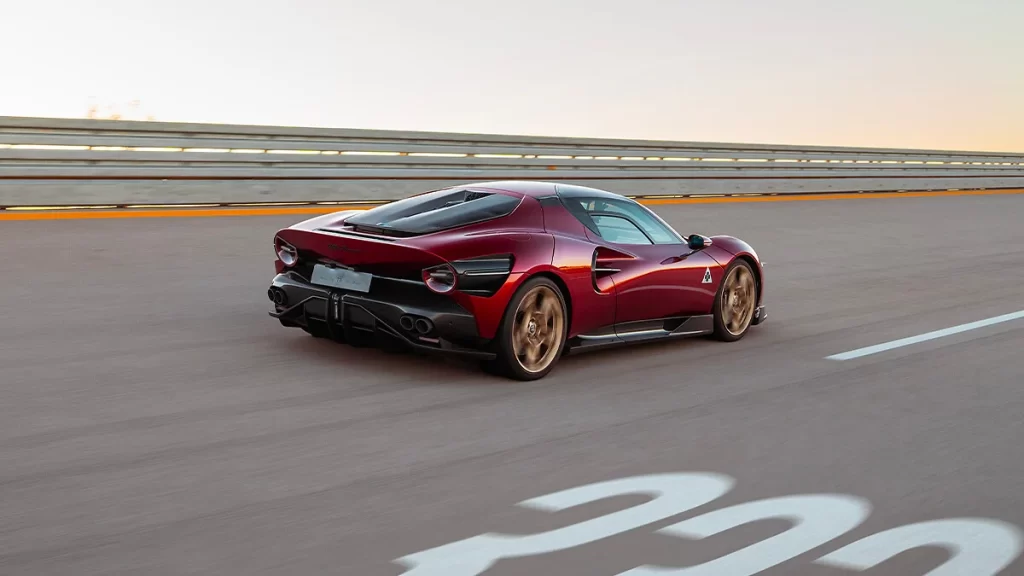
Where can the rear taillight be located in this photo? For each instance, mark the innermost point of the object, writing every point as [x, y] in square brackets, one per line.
[440, 279]
[286, 253]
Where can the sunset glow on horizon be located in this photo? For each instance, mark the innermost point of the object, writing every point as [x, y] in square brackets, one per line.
[937, 74]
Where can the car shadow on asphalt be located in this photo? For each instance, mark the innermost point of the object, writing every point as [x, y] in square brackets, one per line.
[397, 364]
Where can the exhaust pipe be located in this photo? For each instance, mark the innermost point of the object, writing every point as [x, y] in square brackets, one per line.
[423, 326]
[277, 295]
[410, 323]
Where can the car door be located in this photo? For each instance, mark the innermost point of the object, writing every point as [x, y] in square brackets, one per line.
[661, 277]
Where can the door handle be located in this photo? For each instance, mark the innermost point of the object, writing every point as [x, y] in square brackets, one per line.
[680, 258]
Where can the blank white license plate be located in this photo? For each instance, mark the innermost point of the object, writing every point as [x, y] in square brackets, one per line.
[341, 278]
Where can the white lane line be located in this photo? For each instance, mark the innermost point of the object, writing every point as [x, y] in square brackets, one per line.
[926, 336]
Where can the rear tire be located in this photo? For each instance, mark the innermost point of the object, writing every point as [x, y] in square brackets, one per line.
[531, 337]
[735, 302]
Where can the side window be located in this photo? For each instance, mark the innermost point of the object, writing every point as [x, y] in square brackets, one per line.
[619, 230]
[619, 221]
[650, 224]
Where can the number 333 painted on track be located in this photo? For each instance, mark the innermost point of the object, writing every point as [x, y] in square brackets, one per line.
[977, 546]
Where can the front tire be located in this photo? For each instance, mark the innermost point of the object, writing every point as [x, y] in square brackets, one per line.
[531, 336]
[735, 302]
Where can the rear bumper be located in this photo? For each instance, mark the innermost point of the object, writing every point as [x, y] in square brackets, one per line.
[391, 308]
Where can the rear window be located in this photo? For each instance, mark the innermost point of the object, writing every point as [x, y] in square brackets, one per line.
[435, 211]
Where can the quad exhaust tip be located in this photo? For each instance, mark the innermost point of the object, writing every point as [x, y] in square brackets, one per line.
[277, 296]
[411, 323]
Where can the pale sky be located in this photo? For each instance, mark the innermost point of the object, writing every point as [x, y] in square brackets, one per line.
[902, 73]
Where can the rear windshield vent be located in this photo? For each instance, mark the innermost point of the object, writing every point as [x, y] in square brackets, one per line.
[370, 231]
[433, 212]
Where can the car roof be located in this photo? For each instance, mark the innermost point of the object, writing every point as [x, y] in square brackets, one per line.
[539, 189]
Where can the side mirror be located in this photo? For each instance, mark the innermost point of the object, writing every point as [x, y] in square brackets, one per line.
[697, 242]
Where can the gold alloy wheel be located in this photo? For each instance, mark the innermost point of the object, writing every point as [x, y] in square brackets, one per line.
[537, 329]
[738, 297]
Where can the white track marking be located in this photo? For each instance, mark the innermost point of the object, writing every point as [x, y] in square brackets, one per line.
[817, 519]
[672, 494]
[976, 546]
[926, 336]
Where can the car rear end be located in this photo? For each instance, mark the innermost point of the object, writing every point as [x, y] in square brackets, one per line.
[357, 275]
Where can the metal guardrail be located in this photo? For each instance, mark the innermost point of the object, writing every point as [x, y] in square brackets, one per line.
[43, 160]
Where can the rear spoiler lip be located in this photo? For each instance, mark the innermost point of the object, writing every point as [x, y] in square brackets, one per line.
[361, 235]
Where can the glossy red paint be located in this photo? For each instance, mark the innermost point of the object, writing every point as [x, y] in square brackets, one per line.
[604, 283]
[727, 248]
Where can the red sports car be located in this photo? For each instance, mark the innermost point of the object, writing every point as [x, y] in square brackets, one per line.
[513, 273]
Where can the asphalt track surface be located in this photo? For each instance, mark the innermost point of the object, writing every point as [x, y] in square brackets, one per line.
[155, 420]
